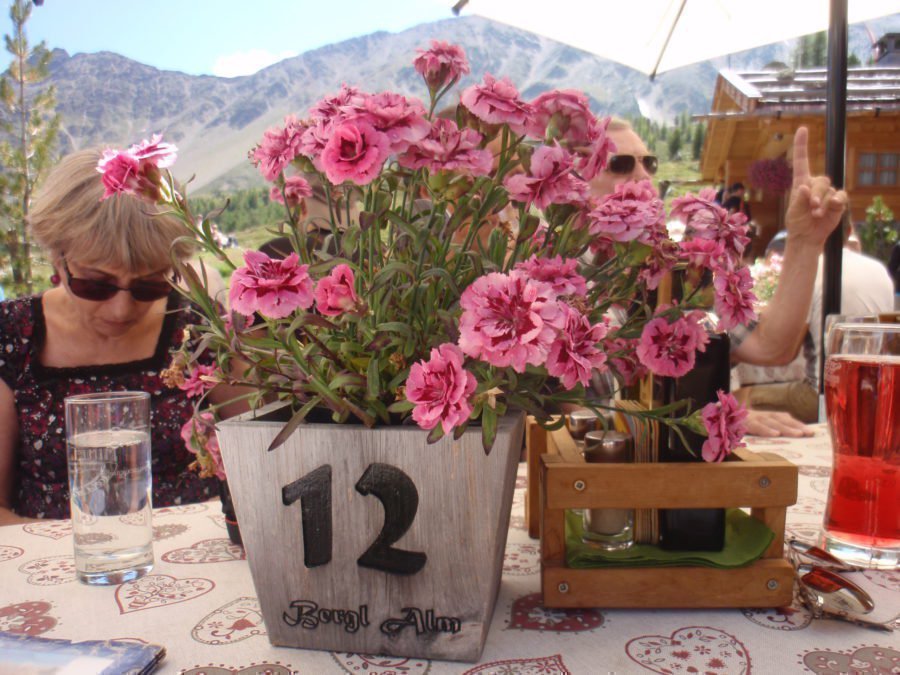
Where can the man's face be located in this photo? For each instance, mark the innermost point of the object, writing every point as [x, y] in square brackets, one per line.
[627, 143]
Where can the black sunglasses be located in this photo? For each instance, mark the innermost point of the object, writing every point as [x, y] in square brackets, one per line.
[624, 164]
[97, 291]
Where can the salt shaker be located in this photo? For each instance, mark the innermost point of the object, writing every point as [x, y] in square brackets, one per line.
[608, 529]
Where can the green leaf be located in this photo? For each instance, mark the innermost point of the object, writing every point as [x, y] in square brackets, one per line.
[295, 421]
[401, 406]
[435, 434]
[488, 428]
[373, 378]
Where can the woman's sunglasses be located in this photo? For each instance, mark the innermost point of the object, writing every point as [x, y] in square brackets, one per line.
[624, 164]
[97, 291]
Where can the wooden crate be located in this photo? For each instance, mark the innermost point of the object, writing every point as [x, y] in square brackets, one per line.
[764, 482]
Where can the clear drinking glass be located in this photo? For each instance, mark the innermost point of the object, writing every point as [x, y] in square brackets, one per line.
[862, 401]
[108, 443]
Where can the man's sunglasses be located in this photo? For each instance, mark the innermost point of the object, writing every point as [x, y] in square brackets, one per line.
[97, 291]
[624, 164]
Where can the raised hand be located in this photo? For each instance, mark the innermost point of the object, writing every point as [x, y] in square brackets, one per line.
[815, 207]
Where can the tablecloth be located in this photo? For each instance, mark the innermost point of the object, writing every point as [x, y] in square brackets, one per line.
[199, 602]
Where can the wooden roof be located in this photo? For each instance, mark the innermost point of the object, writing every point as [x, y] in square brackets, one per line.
[778, 91]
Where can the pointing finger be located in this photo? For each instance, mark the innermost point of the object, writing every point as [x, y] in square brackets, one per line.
[801, 156]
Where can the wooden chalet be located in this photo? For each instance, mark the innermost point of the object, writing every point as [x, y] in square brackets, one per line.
[754, 116]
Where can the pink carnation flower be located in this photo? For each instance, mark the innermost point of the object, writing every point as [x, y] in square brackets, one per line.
[274, 288]
[402, 120]
[574, 355]
[497, 102]
[592, 160]
[336, 294]
[670, 348]
[442, 64]
[199, 436]
[448, 148]
[509, 319]
[632, 212]
[296, 189]
[355, 152]
[441, 389]
[278, 148]
[725, 424]
[561, 274]
[705, 219]
[703, 253]
[200, 380]
[346, 101]
[550, 180]
[136, 171]
[562, 115]
[734, 298]
[159, 154]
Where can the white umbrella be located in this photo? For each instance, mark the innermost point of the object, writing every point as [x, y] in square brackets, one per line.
[653, 36]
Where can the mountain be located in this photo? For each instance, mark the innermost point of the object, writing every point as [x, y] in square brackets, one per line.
[105, 98]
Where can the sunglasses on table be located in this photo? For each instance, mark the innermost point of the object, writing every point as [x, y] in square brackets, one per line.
[97, 290]
[625, 164]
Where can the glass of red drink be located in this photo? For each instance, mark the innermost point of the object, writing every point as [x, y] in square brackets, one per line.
[862, 400]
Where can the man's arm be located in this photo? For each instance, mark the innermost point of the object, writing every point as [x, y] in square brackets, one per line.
[814, 210]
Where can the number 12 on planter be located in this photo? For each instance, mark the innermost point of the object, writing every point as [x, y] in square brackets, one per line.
[398, 496]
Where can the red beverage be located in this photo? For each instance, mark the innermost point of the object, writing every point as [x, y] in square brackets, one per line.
[862, 397]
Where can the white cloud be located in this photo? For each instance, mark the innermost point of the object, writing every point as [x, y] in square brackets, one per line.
[248, 62]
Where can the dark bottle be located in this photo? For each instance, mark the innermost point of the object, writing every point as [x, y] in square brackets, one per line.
[231, 524]
[695, 529]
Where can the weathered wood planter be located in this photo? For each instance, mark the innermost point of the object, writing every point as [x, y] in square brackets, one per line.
[370, 540]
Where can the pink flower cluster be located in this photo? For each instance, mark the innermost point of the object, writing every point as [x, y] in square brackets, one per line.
[276, 288]
[199, 381]
[717, 242]
[516, 319]
[725, 424]
[136, 171]
[550, 180]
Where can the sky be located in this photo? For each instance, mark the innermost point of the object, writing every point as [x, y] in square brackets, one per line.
[215, 37]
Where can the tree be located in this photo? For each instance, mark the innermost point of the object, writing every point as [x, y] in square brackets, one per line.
[675, 143]
[29, 126]
[697, 142]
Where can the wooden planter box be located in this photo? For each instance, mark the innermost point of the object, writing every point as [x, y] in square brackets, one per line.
[763, 481]
[370, 540]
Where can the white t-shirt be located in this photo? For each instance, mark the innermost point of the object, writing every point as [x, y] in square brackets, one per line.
[866, 288]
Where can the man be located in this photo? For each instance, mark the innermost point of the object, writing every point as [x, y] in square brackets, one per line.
[814, 210]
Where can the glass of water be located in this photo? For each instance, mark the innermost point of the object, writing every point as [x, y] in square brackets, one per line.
[108, 443]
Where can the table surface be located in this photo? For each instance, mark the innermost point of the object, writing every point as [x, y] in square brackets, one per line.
[199, 602]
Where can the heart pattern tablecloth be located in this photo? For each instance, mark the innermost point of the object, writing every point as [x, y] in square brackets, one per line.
[199, 602]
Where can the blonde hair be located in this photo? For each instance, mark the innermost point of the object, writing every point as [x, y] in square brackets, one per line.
[67, 217]
[618, 124]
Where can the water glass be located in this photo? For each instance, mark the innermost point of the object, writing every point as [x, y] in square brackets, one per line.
[862, 401]
[108, 446]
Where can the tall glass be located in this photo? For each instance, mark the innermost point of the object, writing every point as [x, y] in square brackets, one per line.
[108, 443]
[862, 401]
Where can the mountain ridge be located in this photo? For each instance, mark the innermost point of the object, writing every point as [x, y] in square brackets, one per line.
[107, 98]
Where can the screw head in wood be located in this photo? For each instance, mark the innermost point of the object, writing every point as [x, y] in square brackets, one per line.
[563, 587]
[772, 584]
[764, 482]
[579, 485]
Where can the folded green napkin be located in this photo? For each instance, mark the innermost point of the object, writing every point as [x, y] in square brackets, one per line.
[746, 539]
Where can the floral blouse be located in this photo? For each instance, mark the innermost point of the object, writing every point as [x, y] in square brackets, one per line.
[41, 488]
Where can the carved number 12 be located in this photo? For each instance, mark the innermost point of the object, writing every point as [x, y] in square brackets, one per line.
[397, 494]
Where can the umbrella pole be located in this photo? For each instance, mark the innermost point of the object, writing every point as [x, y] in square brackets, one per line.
[835, 147]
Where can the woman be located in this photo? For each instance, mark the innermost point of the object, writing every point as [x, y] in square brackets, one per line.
[109, 323]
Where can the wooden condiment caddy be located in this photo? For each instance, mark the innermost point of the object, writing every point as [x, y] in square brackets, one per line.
[559, 479]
